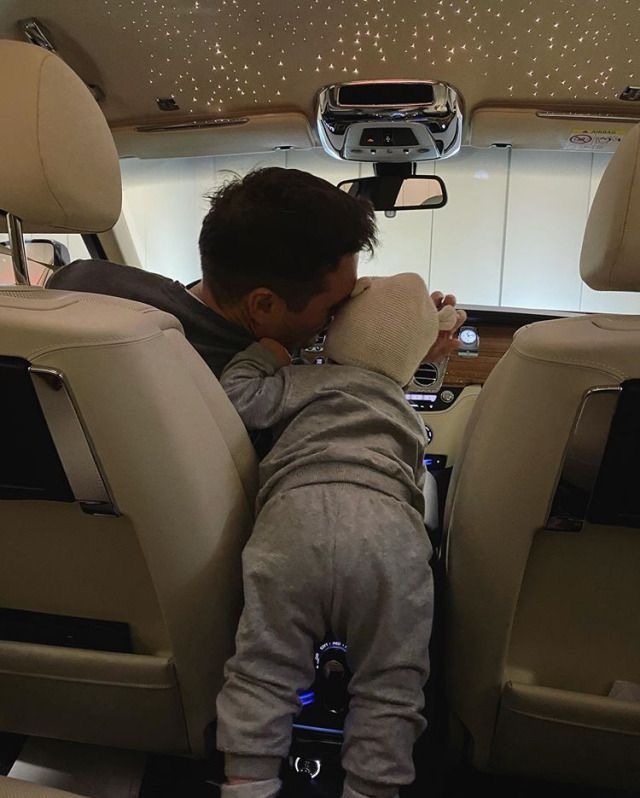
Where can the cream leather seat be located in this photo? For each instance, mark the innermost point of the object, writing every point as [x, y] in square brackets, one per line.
[126, 478]
[16, 788]
[543, 555]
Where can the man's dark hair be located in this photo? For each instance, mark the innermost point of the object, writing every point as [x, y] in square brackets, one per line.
[283, 229]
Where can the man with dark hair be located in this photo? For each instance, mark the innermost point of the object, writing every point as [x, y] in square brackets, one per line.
[279, 252]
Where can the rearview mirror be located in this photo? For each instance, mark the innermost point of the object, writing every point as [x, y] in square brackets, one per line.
[393, 193]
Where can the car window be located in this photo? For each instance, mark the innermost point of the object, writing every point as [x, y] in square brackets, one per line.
[510, 235]
[38, 272]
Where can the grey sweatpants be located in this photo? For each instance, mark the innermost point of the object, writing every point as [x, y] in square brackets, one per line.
[355, 561]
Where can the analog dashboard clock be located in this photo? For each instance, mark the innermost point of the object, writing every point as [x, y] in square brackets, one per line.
[469, 340]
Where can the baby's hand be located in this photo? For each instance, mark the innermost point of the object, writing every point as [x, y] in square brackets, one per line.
[449, 318]
[276, 348]
[447, 342]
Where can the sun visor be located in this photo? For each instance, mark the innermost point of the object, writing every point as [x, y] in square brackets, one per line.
[212, 136]
[610, 259]
[59, 166]
[548, 129]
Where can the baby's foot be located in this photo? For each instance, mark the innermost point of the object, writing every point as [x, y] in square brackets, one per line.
[267, 788]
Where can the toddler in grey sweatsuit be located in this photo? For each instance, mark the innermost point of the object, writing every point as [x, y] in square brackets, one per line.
[339, 542]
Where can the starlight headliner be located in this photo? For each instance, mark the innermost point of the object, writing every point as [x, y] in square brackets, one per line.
[500, 41]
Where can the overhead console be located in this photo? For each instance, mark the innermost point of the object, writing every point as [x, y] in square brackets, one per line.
[392, 121]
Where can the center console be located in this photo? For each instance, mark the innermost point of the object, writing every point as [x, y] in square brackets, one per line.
[318, 727]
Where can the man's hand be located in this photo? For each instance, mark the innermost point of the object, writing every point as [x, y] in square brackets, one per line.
[447, 341]
[276, 348]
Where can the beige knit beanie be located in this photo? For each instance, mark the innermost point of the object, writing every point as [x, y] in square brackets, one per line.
[388, 326]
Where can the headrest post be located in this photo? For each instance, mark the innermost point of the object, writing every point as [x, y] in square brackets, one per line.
[18, 253]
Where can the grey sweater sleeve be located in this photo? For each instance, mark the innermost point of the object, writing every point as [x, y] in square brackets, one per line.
[257, 386]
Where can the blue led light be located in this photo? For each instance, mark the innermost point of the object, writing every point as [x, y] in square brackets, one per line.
[320, 729]
[306, 698]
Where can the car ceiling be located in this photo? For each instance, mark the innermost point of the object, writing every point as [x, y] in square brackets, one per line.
[229, 57]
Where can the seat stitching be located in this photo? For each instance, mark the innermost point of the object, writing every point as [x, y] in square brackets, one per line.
[105, 682]
[626, 213]
[44, 173]
[93, 343]
[566, 722]
[589, 364]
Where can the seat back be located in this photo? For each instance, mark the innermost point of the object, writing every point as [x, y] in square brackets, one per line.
[543, 531]
[126, 478]
[120, 585]
[16, 788]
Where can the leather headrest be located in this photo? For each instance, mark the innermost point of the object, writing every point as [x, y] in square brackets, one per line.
[58, 162]
[610, 259]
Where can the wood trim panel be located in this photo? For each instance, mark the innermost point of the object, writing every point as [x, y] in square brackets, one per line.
[494, 342]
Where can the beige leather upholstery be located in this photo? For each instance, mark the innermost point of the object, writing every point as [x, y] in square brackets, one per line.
[181, 471]
[610, 259]
[448, 425]
[16, 788]
[542, 622]
[174, 455]
[60, 169]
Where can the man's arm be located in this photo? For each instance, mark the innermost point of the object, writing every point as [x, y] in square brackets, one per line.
[256, 384]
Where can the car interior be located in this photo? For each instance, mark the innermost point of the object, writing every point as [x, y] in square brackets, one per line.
[499, 144]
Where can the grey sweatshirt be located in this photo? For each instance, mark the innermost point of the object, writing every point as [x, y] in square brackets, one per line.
[331, 423]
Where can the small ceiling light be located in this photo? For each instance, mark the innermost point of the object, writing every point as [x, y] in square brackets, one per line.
[167, 104]
[631, 94]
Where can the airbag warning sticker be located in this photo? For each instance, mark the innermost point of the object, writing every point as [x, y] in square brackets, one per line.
[592, 139]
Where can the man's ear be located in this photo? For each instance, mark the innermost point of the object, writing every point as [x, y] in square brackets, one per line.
[261, 303]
